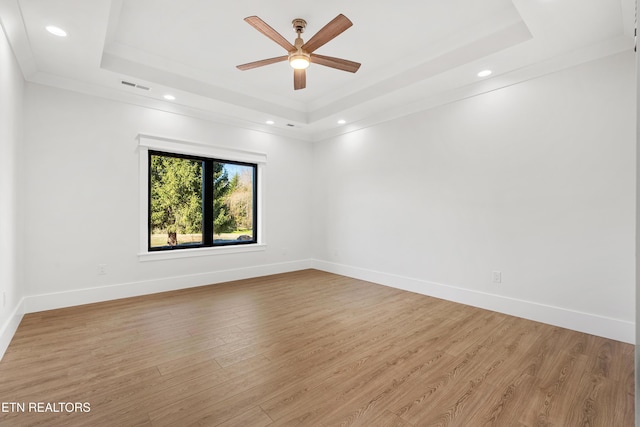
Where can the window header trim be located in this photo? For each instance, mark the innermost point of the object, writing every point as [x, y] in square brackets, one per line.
[177, 146]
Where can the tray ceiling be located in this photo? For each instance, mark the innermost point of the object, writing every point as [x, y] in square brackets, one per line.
[414, 55]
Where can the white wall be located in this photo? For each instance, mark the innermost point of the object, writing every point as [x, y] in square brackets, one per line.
[11, 124]
[535, 180]
[81, 210]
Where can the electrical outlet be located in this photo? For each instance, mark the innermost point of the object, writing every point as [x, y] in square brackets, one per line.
[496, 277]
[102, 269]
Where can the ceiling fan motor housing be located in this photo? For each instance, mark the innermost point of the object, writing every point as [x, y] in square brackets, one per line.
[299, 25]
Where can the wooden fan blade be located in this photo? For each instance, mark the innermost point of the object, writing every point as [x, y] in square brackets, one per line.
[327, 33]
[299, 79]
[265, 29]
[338, 63]
[262, 63]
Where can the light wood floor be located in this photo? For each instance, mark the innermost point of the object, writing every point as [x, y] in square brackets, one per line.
[314, 349]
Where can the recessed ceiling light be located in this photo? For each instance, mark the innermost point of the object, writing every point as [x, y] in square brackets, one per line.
[56, 31]
[270, 122]
[484, 73]
[169, 97]
[341, 122]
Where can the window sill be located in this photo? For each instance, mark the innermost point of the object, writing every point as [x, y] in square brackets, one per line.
[198, 252]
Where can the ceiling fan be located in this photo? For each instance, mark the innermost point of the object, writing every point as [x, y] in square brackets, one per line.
[301, 53]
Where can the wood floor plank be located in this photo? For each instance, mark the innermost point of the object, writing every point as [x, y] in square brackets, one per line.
[254, 417]
[385, 419]
[310, 348]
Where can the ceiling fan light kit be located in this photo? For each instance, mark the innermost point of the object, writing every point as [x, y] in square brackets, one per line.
[299, 61]
[300, 55]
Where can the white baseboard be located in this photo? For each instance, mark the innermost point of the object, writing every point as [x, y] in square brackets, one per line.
[42, 302]
[616, 329]
[9, 328]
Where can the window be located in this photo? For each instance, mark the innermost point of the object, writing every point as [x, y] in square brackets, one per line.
[198, 234]
[196, 201]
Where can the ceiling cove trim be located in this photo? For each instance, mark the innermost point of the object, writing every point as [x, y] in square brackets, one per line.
[12, 21]
[608, 48]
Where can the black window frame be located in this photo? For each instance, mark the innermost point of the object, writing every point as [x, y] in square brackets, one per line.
[207, 202]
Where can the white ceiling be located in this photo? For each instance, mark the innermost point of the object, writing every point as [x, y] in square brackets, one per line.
[414, 54]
